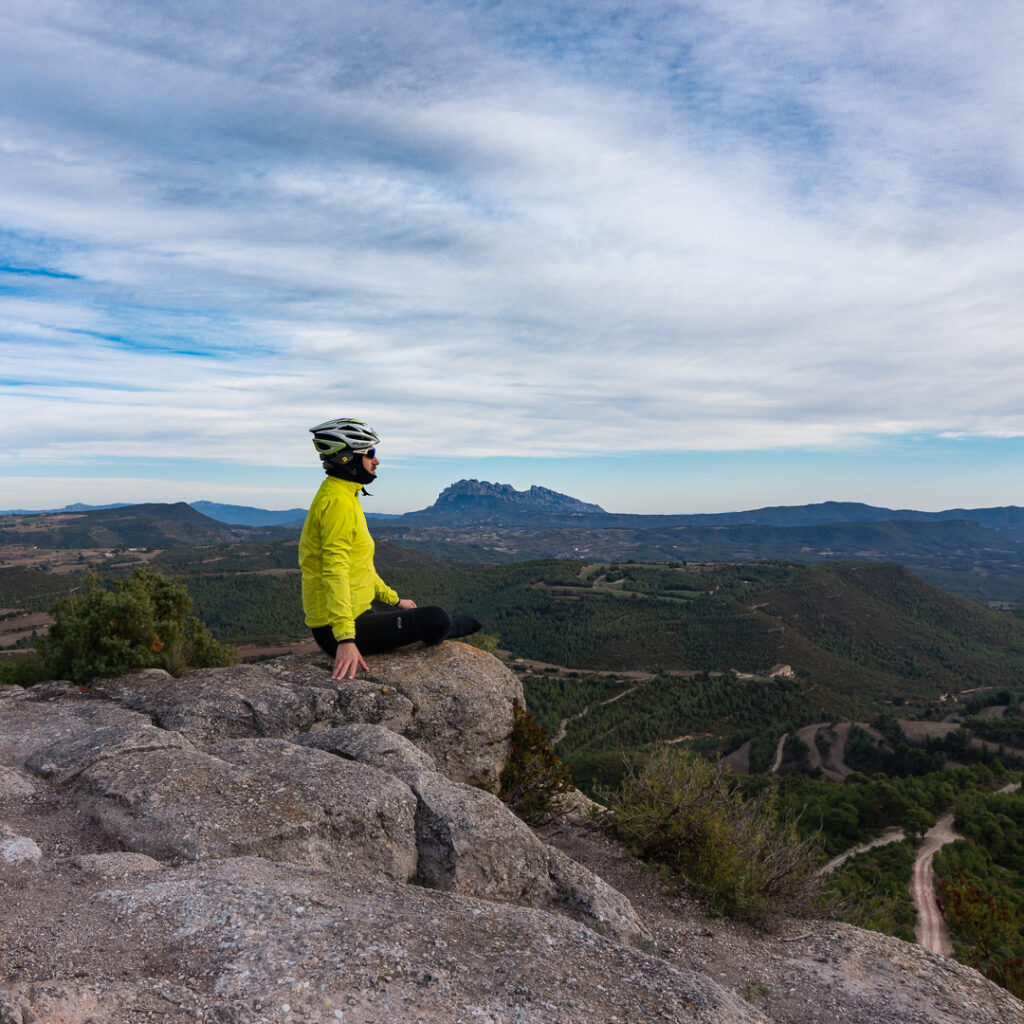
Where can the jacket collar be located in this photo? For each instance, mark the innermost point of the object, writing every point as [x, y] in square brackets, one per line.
[335, 482]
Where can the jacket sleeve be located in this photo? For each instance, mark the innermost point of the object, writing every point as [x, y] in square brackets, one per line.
[337, 529]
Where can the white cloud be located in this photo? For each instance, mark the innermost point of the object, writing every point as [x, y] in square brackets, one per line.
[744, 225]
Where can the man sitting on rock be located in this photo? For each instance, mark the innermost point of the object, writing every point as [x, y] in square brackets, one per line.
[350, 609]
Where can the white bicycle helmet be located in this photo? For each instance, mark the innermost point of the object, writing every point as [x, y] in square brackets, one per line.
[343, 435]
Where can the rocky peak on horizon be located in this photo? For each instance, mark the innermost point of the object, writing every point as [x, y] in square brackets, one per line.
[536, 499]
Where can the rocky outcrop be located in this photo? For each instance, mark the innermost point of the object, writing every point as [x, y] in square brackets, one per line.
[188, 805]
[223, 703]
[277, 764]
[259, 845]
[453, 702]
[462, 701]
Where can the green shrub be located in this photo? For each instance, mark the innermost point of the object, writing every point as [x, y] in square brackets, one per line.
[533, 775]
[687, 814]
[23, 671]
[144, 622]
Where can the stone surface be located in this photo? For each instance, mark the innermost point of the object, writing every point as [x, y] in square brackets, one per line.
[358, 700]
[348, 950]
[187, 805]
[224, 703]
[21, 850]
[116, 865]
[462, 706]
[260, 881]
[470, 842]
[590, 899]
[16, 1011]
[29, 724]
[69, 757]
[371, 744]
[371, 813]
[15, 784]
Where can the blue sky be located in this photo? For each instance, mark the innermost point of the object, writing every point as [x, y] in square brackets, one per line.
[662, 256]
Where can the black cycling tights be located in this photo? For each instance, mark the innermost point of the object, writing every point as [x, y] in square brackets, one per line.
[379, 631]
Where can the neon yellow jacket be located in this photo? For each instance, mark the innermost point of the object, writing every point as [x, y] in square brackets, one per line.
[339, 581]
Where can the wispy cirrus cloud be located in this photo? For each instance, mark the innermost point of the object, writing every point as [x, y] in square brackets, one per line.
[737, 225]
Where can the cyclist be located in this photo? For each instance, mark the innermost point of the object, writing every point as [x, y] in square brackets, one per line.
[349, 608]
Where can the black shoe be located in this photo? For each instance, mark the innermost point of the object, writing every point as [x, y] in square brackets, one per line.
[463, 625]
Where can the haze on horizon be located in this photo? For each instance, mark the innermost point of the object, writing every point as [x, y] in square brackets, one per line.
[660, 257]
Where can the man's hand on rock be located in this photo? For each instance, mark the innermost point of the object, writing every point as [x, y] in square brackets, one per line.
[347, 661]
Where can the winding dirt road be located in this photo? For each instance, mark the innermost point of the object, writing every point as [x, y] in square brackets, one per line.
[931, 930]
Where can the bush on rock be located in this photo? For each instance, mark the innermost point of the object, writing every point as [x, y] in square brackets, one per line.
[683, 812]
[533, 775]
[144, 622]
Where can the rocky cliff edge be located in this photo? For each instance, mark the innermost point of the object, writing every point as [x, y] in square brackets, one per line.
[259, 844]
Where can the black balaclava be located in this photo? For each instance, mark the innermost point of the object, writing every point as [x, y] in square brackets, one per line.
[351, 469]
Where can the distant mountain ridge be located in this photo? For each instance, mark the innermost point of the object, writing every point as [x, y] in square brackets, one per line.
[466, 501]
[246, 515]
[152, 525]
[977, 553]
[78, 506]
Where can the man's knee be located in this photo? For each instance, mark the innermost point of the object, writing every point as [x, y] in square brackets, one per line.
[433, 623]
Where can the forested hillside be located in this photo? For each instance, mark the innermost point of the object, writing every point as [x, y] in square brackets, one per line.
[958, 555]
[854, 633]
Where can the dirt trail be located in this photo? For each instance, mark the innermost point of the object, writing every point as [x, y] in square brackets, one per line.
[808, 734]
[563, 725]
[838, 753]
[890, 835]
[931, 930]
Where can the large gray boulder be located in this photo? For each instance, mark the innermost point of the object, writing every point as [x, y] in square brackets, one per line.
[291, 945]
[222, 703]
[69, 757]
[452, 701]
[187, 805]
[371, 813]
[470, 842]
[590, 899]
[29, 724]
[358, 700]
[462, 706]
